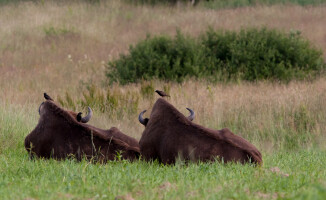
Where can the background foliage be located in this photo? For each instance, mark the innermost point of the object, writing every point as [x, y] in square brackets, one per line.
[219, 4]
[251, 54]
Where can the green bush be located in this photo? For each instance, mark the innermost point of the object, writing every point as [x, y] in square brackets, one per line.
[253, 54]
[156, 2]
[220, 4]
[158, 57]
[258, 54]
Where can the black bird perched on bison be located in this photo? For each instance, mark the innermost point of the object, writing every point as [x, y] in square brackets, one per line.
[161, 93]
[47, 97]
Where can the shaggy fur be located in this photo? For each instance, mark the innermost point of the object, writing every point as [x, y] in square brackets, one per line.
[169, 135]
[58, 135]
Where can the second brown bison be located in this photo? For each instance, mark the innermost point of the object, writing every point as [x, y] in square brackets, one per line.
[59, 134]
[169, 135]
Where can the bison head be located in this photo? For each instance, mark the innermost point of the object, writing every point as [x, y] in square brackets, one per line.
[77, 116]
[145, 121]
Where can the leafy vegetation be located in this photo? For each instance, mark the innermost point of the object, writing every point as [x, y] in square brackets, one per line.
[213, 4]
[156, 2]
[262, 54]
[252, 54]
[114, 103]
[56, 32]
[4, 2]
[219, 4]
[159, 57]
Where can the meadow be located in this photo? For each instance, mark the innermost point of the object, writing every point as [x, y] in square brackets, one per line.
[63, 49]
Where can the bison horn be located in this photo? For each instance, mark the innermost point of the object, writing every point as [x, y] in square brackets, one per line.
[192, 114]
[141, 119]
[87, 118]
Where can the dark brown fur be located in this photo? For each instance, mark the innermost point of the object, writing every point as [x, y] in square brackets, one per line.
[58, 135]
[169, 134]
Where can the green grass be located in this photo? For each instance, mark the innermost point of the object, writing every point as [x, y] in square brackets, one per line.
[289, 174]
[50, 179]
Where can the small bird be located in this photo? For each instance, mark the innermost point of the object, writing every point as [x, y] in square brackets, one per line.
[47, 97]
[161, 93]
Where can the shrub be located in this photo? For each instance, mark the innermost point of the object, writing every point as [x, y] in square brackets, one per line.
[220, 4]
[258, 54]
[156, 2]
[159, 57]
[253, 54]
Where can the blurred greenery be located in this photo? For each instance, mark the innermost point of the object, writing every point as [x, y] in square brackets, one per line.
[250, 54]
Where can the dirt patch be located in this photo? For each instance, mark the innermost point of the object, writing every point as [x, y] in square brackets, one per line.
[278, 171]
[262, 195]
[167, 186]
[124, 197]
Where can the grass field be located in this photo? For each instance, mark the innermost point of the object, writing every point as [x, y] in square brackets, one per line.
[63, 48]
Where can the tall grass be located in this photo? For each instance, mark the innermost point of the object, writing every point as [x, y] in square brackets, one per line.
[286, 173]
[271, 115]
[63, 48]
[60, 48]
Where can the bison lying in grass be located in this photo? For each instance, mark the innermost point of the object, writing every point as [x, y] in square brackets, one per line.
[59, 134]
[169, 135]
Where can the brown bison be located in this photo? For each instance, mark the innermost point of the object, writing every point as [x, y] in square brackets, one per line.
[58, 135]
[169, 135]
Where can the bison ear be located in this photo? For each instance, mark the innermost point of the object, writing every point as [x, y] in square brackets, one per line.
[146, 121]
[137, 154]
[134, 151]
[79, 117]
[88, 117]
